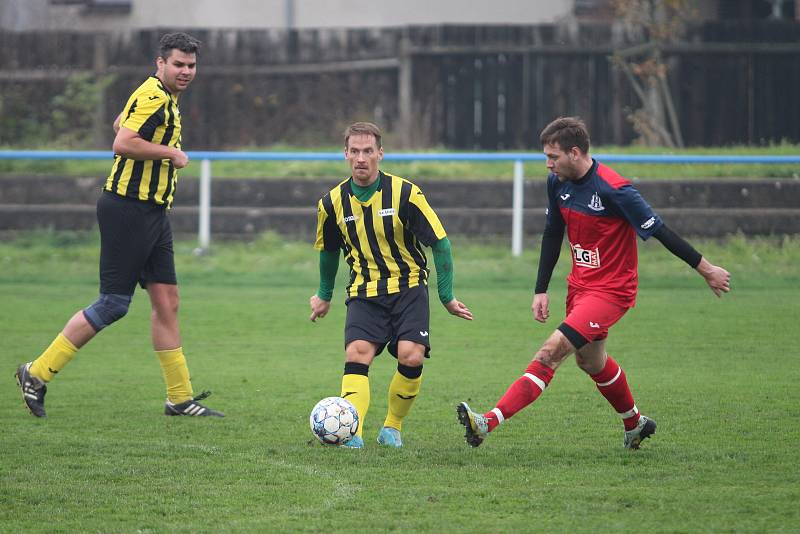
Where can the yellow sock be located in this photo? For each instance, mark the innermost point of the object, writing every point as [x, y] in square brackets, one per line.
[402, 393]
[54, 358]
[355, 388]
[176, 375]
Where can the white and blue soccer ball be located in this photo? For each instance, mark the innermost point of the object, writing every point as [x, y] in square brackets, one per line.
[334, 420]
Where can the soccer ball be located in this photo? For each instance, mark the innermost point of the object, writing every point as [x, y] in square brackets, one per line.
[334, 420]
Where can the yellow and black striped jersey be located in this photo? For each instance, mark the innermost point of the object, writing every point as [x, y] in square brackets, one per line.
[381, 238]
[152, 112]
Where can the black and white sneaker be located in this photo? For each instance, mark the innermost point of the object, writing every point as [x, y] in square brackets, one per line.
[33, 389]
[645, 428]
[191, 407]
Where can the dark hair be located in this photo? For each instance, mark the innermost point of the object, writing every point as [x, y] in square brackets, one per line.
[177, 41]
[363, 128]
[566, 132]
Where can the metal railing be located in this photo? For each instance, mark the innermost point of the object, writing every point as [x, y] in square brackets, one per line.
[518, 159]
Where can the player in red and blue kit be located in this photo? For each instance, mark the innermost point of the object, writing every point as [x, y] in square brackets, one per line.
[602, 214]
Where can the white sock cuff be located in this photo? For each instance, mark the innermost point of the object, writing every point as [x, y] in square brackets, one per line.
[499, 415]
[630, 413]
[604, 384]
[536, 380]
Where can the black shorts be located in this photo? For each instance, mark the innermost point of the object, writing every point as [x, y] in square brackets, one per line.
[135, 244]
[387, 319]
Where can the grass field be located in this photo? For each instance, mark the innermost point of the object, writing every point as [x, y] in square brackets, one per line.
[719, 376]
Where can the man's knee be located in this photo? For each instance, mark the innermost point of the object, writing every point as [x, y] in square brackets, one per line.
[554, 350]
[360, 351]
[106, 310]
[410, 354]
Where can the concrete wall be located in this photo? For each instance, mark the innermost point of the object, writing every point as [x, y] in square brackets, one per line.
[242, 209]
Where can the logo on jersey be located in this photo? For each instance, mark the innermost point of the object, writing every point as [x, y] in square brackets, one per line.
[594, 325]
[388, 212]
[565, 196]
[595, 204]
[352, 218]
[585, 257]
[648, 223]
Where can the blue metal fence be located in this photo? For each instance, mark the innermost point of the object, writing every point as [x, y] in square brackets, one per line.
[408, 156]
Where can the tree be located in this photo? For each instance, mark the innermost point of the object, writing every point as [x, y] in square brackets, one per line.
[652, 24]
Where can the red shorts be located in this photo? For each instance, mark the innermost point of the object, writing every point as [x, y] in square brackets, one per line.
[592, 314]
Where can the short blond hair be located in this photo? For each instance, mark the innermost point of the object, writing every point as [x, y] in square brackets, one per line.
[362, 128]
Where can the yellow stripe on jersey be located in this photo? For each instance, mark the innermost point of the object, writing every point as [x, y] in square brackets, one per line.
[382, 239]
[152, 112]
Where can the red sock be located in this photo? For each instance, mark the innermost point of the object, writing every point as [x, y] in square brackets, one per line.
[524, 391]
[613, 385]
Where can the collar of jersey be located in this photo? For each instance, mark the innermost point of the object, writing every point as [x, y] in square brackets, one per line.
[585, 178]
[356, 189]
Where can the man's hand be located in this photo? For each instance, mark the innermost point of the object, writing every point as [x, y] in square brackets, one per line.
[459, 309]
[319, 307]
[540, 307]
[179, 159]
[717, 278]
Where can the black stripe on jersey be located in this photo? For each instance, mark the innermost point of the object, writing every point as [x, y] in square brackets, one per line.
[131, 110]
[170, 183]
[170, 124]
[155, 173]
[117, 175]
[135, 179]
[330, 230]
[372, 240]
[170, 130]
[148, 129]
[408, 238]
[388, 230]
[352, 232]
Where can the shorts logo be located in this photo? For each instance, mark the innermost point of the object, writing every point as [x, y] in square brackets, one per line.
[351, 218]
[594, 325]
[648, 223]
[388, 212]
[423, 333]
[586, 258]
[595, 204]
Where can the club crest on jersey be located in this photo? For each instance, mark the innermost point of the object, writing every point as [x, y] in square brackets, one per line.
[585, 257]
[351, 218]
[388, 212]
[595, 204]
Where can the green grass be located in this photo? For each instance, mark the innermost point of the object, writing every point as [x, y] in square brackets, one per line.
[719, 376]
[449, 170]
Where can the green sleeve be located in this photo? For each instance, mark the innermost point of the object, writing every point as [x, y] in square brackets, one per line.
[328, 265]
[443, 260]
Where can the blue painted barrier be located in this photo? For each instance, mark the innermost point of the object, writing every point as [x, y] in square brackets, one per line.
[406, 156]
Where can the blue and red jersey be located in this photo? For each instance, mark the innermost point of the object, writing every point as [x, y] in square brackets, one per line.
[602, 213]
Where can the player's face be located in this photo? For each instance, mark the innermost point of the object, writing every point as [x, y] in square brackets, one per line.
[363, 154]
[562, 164]
[177, 71]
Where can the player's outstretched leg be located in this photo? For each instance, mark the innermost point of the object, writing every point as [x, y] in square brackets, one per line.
[192, 408]
[33, 389]
[476, 428]
[645, 428]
